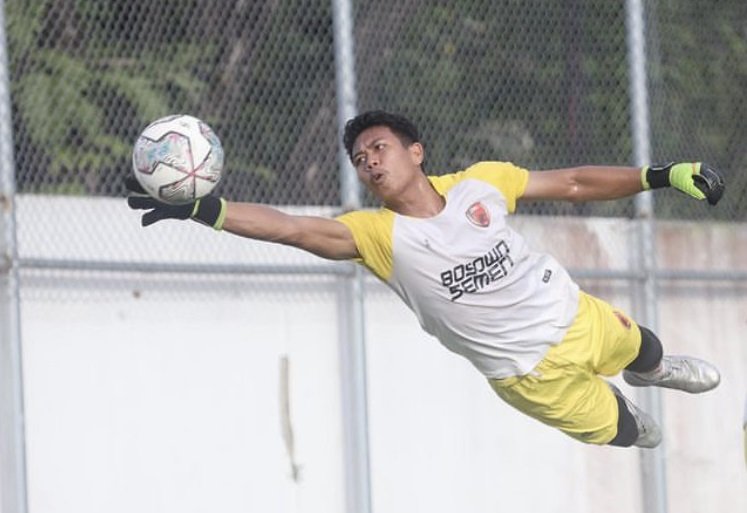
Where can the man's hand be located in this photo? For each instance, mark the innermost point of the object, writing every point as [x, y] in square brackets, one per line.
[693, 178]
[208, 210]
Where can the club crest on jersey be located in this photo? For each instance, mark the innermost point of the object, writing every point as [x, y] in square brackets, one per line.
[478, 215]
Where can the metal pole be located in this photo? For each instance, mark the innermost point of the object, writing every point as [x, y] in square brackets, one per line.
[653, 469]
[339, 269]
[352, 333]
[346, 97]
[12, 445]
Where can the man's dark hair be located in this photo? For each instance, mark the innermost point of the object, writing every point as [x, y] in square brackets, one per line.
[403, 128]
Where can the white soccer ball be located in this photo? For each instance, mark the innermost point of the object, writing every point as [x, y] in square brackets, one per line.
[178, 159]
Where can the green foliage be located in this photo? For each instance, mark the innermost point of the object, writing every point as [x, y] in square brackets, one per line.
[80, 102]
[60, 116]
[543, 84]
[538, 83]
[698, 79]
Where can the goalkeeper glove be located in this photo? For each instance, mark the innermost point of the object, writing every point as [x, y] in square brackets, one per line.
[693, 178]
[209, 210]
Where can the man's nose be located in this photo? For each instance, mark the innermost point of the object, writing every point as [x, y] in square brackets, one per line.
[372, 161]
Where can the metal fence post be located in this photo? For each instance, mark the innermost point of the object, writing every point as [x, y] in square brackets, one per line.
[653, 469]
[12, 446]
[352, 335]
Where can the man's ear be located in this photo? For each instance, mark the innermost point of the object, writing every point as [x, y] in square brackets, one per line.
[417, 153]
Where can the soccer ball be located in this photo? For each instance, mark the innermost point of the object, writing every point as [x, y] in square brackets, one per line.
[178, 159]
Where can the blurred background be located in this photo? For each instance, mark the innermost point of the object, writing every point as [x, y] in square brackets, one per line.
[542, 84]
[178, 369]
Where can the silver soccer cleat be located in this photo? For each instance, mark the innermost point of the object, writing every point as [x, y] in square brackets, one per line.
[679, 372]
[649, 433]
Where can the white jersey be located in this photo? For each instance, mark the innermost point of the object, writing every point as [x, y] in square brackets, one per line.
[469, 278]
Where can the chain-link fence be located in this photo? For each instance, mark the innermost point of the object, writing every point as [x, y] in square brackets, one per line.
[541, 84]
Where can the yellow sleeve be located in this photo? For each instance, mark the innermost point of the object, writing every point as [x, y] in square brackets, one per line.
[509, 179]
[372, 231]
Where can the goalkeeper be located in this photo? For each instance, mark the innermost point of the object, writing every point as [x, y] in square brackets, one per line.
[443, 244]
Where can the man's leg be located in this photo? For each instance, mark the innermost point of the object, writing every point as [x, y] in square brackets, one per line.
[634, 426]
[686, 373]
[649, 354]
[565, 390]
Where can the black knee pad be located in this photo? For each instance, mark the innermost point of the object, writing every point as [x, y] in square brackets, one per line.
[650, 353]
[627, 429]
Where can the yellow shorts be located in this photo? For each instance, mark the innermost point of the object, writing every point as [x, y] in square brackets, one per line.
[564, 390]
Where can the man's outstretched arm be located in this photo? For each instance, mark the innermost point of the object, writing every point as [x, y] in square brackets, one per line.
[595, 183]
[321, 236]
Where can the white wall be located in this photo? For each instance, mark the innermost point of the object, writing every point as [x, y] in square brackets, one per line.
[156, 404]
[161, 394]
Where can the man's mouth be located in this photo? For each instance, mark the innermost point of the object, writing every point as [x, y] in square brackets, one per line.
[377, 177]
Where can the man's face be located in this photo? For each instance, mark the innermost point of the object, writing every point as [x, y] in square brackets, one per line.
[383, 163]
